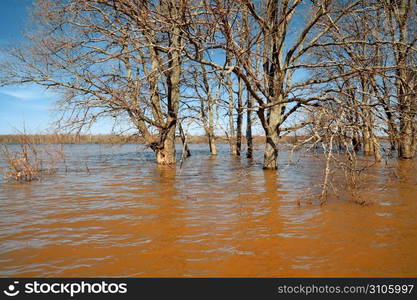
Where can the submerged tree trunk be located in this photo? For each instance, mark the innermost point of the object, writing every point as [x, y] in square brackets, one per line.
[212, 144]
[271, 151]
[165, 154]
[392, 133]
[184, 141]
[405, 149]
[368, 143]
[275, 78]
[272, 133]
[239, 119]
[414, 143]
[232, 135]
[210, 134]
[377, 149]
[249, 138]
[404, 74]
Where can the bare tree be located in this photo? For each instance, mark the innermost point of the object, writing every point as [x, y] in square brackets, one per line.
[128, 59]
[402, 31]
[272, 86]
[206, 88]
[348, 48]
[119, 59]
[373, 52]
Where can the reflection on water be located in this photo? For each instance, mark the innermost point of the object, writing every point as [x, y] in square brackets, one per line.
[214, 217]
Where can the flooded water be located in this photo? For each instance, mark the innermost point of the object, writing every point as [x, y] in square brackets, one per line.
[220, 217]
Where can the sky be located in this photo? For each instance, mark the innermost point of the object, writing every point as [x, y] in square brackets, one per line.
[28, 107]
[21, 107]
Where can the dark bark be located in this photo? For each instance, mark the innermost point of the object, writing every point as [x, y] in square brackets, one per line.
[249, 138]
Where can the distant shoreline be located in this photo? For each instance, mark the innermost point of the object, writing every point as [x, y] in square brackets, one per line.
[102, 139]
[117, 139]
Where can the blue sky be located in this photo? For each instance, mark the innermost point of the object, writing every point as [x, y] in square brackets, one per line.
[21, 106]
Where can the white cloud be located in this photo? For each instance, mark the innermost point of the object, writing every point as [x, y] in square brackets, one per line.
[28, 93]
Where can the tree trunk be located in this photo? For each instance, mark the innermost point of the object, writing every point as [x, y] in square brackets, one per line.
[356, 142]
[166, 154]
[414, 138]
[405, 149]
[272, 133]
[208, 121]
[229, 88]
[275, 76]
[249, 139]
[247, 40]
[239, 119]
[405, 100]
[392, 134]
[212, 144]
[232, 136]
[211, 135]
[368, 144]
[184, 141]
[377, 149]
[271, 151]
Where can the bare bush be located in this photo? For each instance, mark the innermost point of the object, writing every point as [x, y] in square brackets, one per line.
[31, 161]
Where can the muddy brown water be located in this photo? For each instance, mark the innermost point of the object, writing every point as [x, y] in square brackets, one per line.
[214, 217]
